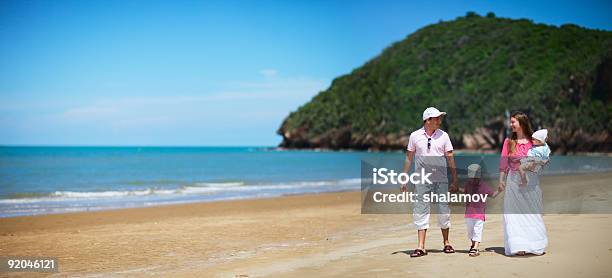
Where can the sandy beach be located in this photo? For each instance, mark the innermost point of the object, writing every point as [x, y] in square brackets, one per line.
[303, 236]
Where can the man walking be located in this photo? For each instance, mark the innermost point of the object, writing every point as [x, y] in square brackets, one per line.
[430, 148]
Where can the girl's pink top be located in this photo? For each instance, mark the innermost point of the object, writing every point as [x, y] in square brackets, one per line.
[513, 161]
[476, 210]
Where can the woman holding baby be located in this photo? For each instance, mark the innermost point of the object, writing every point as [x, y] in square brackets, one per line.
[524, 230]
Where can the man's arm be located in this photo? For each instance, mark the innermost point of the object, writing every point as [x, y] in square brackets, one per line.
[407, 164]
[451, 163]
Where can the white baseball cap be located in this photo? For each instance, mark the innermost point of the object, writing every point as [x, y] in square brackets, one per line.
[432, 112]
[540, 135]
[473, 171]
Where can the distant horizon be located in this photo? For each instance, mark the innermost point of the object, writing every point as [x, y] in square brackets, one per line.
[137, 146]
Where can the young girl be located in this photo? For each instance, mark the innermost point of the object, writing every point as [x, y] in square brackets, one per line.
[475, 211]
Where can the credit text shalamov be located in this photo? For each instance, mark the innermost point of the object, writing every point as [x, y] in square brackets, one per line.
[384, 176]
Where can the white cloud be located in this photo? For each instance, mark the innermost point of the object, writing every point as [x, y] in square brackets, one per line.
[90, 112]
[148, 122]
[243, 110]
[269, 73]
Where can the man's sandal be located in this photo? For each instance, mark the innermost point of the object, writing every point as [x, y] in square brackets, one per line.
[418, 253]
[448, 249]
[474, 252]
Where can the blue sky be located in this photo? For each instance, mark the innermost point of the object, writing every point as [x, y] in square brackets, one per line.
[192, 73]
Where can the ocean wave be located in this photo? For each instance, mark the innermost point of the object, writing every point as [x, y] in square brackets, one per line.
[86, 195]
[198, 188]
[219, 184]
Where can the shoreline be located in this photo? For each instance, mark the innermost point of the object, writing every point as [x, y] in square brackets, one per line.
[206, 204]
[299, 235]
[26, 223]
[229, 199]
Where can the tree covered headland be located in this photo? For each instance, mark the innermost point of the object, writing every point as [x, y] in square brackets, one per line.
[475, 68]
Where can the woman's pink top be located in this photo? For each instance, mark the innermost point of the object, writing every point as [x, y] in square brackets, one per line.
[513, 161]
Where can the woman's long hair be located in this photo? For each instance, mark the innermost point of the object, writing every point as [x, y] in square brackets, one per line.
[525, 125]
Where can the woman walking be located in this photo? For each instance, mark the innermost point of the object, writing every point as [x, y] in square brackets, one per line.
[524, 230]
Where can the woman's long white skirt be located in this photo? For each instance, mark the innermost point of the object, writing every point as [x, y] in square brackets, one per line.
[524, 228]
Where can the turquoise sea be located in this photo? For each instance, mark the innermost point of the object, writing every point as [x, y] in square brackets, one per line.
[43, 180]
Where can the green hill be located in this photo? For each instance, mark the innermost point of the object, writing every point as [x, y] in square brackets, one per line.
[475, 68]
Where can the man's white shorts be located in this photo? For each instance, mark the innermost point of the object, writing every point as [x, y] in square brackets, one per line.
[421, 209]
[474, 229]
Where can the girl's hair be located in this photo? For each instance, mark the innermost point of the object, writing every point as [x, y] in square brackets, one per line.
[525, 126]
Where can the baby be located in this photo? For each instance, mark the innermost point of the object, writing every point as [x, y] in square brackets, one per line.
[537, 156]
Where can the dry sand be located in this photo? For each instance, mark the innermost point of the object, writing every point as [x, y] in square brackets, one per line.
[308, 235]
